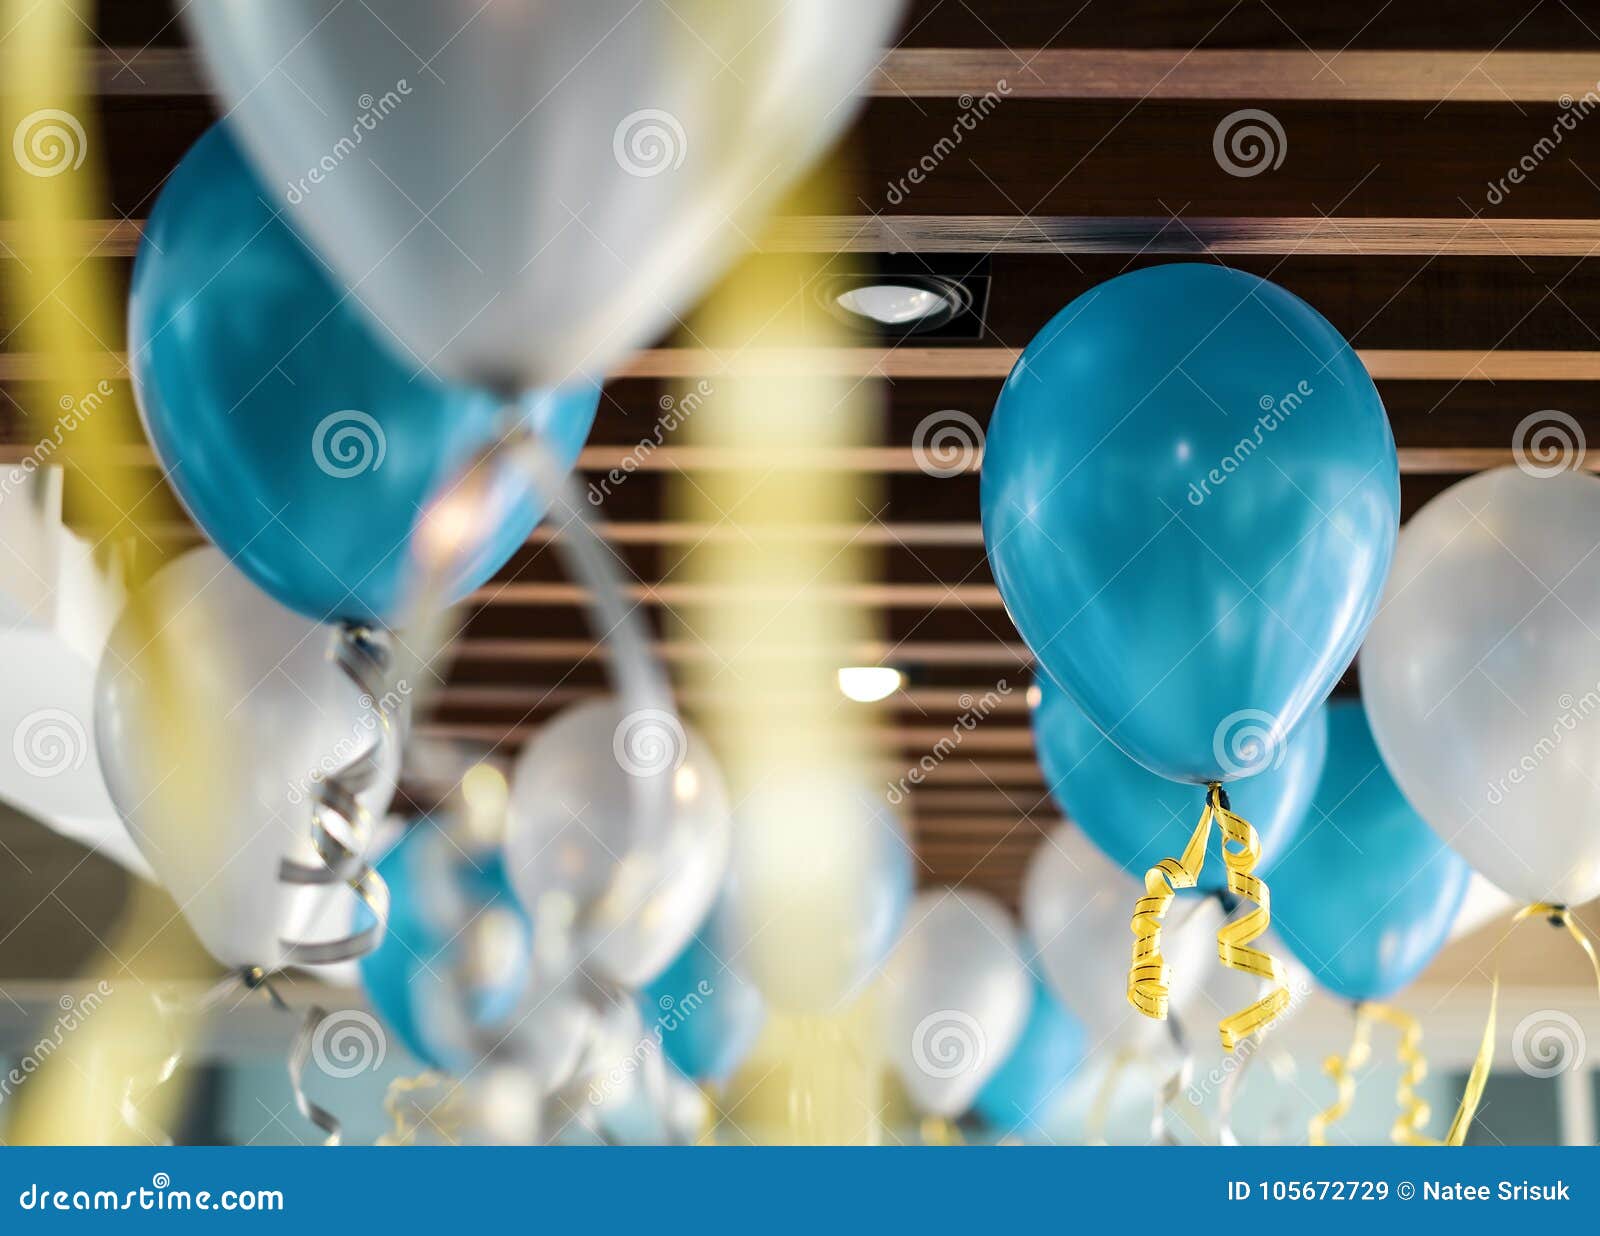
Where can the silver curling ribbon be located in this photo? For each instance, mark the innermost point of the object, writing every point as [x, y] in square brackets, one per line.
[341, 834]
[1176, 1082]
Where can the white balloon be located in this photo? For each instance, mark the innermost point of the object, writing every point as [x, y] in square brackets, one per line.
[1481, 677]
[956, 996]
[1077, 905]
[625, 893]
[523, 191]
[820, 881]
[259, 710]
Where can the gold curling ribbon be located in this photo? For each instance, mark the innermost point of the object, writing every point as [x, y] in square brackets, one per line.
[1342, 1071]
[1558, 916]
[1148, 976]
[1094, 1126]
[1408, 1127]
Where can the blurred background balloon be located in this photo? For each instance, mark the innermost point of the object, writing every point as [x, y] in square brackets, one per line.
[1367, 893]
[1482, 671]
[620, 892]
[257, 686]
[1138, 818]
[298, 442]
[458, 947]
[1190, 496]
[533, 190]
[1076, 905]
[1036, 1073]
[956, 997]
[710, 1015]
[814, 944]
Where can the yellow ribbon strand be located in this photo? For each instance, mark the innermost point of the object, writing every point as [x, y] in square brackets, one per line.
[1241, 850]
[1094, 1127]
[1149, 976]
[400, 1096]
[1342, 1071]
[1478, 1078]
[1408, 1127]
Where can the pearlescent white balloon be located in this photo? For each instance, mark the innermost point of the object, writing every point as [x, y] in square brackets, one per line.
[257, 711]
[523, 191]
[1481, 677]
[956, 996]
[624, 890]
[820, 881]
[1077, 905]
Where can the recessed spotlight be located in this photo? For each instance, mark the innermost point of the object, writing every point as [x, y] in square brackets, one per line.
[867, 684]
[900, 304]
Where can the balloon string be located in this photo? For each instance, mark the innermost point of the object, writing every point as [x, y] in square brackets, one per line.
[250, 978]
[1149, 976]
[1478, 1078]
[1233, 939]
[1414, 1110]
[403, 1132]
[1342, 1071]
[365, 661]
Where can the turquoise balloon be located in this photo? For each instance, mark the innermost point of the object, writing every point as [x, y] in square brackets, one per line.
[1190, 499]
[709, 1016]
[1368, 892]
[408, 977]
[1034, 1075]
[1138, 818]
[298, 441]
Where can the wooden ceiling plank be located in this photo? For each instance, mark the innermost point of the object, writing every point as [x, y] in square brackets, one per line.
[1096, 73]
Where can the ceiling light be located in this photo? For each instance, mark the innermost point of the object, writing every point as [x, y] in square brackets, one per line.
[866, 684]
[903, 304]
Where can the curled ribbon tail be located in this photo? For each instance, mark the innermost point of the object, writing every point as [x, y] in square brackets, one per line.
[1414, 1110]
[1342, 1071]
[1234, 939]
[1148, 976]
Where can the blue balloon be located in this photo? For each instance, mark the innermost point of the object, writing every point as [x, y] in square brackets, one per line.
[1190, 499]
[299, 443]
[708, 1014]
[1138, 818]
[407, 977]
[1366, 895]
[1052, 1045]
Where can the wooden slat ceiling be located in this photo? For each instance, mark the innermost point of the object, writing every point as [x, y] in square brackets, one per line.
[1471, 312]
